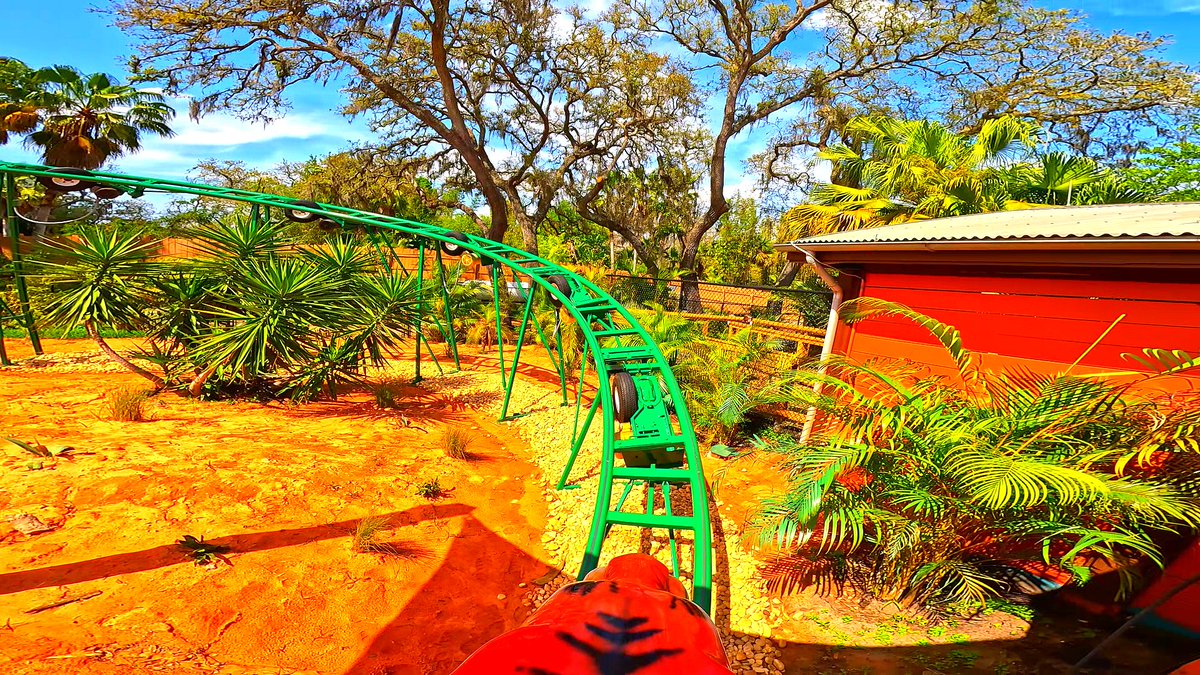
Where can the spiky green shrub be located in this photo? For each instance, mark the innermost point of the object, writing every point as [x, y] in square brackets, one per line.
[731, 382]
[253, 315]
[100, 280]
[931, 492]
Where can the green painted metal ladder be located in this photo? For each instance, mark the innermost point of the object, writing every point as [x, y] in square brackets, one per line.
[659, 449]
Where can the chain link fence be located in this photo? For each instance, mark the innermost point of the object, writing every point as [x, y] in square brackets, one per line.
[801, 307]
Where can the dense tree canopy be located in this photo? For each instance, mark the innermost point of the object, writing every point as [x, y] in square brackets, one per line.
[503, 97]
[1172, 172]
[527, 104]
[894, 171]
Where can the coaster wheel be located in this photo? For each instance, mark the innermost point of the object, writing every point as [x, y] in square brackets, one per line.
[106, 191]
[298, 216]
[624, 396]
[454, 249]
[63, 184]
[559, 282]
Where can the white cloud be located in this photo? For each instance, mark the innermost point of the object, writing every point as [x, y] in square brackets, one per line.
[226, 130]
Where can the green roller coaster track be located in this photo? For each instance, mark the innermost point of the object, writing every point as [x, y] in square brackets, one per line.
[660, 449]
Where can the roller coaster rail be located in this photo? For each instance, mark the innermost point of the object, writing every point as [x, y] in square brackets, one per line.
[634, 382]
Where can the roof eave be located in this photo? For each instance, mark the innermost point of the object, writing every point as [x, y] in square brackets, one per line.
[1071, 244]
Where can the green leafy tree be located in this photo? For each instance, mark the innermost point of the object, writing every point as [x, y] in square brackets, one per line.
[896, 171]
[741, 252]
[1059, 179]
[88, 119]
[932, 492]
[75, 119]
[19, 88]
[1171, 171]
[561, 95]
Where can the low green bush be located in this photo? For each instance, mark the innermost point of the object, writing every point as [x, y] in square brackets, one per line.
[936, 491]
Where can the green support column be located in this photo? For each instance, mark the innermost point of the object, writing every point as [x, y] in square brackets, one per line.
[451, 338]
[558, 363]
[577, 434]
[512, 375]
[420, 308]
[4, 314]
[577, 443]
[10, 218]
[499, 326]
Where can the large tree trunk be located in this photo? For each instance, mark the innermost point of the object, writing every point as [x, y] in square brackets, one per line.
[41, 214]
[112, 354]
[689, 270]
[529, 231]
[788, 273]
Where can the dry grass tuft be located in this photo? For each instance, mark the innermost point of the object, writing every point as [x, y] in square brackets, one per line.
[455, 442]
[127, 403]
[365, 534]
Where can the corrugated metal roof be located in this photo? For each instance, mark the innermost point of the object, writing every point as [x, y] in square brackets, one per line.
[1166, 221]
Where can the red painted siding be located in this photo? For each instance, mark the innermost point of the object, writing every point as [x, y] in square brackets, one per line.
[1044, 319]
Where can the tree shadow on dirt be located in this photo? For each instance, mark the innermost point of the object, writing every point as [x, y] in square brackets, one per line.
[170, 554]
[1057, 637]
[1054, 642]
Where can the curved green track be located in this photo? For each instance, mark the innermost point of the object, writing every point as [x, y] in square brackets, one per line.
[657, 450]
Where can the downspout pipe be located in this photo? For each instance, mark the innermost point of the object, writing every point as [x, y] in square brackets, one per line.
[830, 333]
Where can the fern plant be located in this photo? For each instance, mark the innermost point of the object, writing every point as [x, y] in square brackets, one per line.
[935, 491]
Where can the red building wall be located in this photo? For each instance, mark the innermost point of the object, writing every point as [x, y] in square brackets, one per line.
[1043, 323]
[1033, 320]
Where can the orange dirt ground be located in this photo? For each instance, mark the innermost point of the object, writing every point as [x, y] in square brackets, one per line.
[284, 488]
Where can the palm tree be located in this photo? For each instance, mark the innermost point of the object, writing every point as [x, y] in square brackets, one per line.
[76, 120]
[934, 492]
[89, 119]
[895, 170]
[729, 381]
[18, 114]
[1060, 179]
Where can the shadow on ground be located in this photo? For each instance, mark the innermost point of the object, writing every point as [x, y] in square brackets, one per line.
[170, 554]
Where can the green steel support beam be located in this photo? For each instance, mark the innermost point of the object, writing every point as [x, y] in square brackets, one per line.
[512, 373]
[420, 307]
[496, 275]
[577, 443]
[14, 226]
[557, 362]
[595, 311]
[448, 333]
[5, 313]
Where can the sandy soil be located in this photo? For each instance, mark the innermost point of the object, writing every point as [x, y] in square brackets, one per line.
[283, 488]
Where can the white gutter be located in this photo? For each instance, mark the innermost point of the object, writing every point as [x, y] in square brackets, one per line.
[830, 333]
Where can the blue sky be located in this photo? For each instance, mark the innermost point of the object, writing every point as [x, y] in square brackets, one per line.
[85, 39]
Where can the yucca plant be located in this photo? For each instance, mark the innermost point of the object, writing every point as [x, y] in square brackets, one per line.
[239, 239]
[100, 280]
[934, 491]
[270, 321]
[385, 306]
[344, 256]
